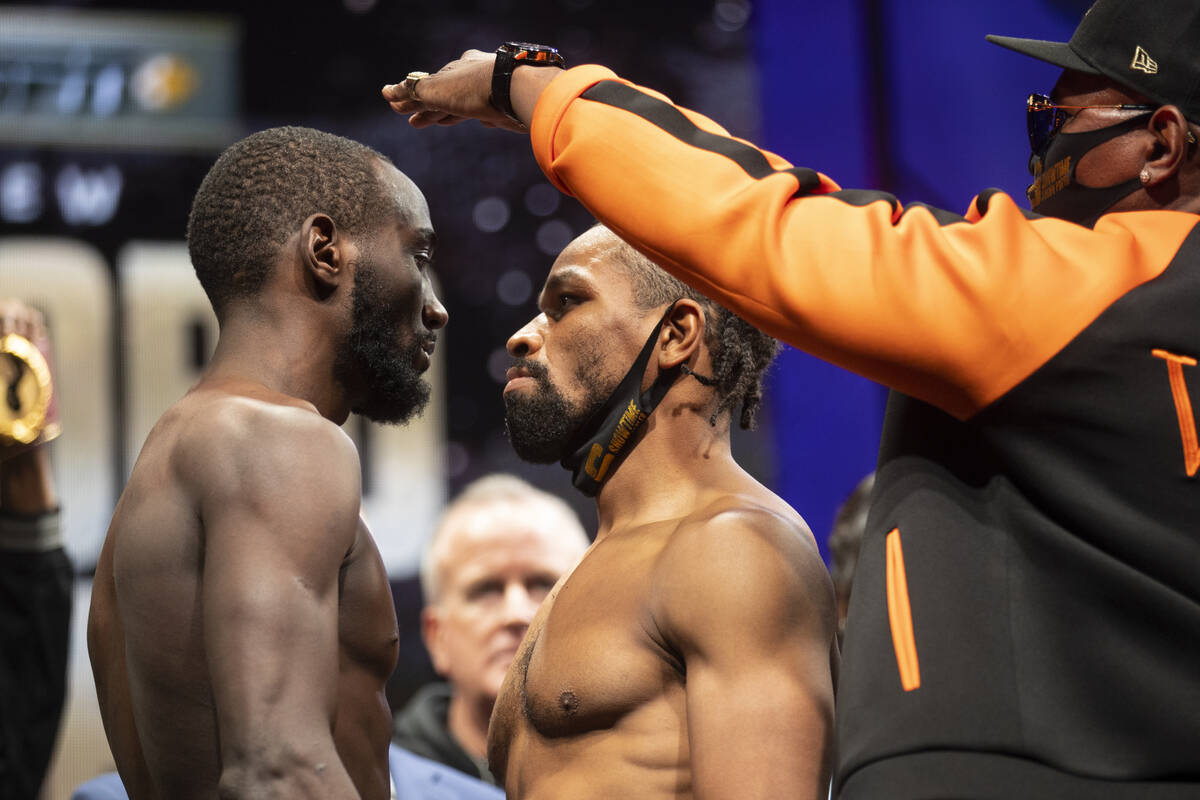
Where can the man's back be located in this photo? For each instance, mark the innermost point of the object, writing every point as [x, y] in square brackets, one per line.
[603, 697]
[189, 617]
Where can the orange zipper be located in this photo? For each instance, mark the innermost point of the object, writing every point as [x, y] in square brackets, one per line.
[900, 615]
[1183, 408]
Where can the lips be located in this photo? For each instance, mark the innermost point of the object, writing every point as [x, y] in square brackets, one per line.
[424, 355]
[516, 377]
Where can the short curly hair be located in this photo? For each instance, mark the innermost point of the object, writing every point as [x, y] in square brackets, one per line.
[262, 188]
[740, 352]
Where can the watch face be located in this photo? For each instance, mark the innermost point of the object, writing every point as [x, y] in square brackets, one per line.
[537, 48]
[534, 54]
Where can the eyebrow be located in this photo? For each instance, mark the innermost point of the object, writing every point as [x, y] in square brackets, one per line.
[425, 236]
[565, 276]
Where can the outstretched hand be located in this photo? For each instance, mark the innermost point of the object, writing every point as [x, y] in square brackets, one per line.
[458, 92]
[462, 90]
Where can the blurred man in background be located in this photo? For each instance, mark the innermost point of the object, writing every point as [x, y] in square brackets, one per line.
[242, 625]
[36, 577]
[497, 551]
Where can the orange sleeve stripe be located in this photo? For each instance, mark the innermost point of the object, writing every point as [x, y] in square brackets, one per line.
[900, 615]
[953, 313]
[1183, 408]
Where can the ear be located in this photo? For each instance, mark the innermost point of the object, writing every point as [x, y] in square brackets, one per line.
[1171, 146]
[682, 334]
[321, 253]
[430, 628]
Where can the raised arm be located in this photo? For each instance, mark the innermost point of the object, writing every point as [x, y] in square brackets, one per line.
[954, 310]
[280, 500]
[746, 601]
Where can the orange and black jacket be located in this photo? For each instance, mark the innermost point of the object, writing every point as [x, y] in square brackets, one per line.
[1025, 619]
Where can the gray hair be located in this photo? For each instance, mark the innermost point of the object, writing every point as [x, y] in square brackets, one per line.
[491, 490]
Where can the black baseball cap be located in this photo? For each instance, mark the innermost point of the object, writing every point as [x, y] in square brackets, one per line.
[1150, 46]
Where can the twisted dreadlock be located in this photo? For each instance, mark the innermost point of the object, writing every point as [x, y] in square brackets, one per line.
[740, 352]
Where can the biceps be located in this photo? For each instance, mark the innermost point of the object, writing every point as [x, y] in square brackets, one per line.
[760, 731]
[271, 641]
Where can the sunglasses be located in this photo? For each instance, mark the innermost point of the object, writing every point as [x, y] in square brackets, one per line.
[1044, 118]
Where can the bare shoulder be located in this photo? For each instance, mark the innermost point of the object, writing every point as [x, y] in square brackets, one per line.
[746, 555]
[241, 448]
[743, 530]
[227, 429]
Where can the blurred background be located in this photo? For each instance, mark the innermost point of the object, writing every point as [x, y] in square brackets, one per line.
[111, 112]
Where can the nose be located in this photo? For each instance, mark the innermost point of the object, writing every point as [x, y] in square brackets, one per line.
[434, 314]
[519, 605]
[528, 340]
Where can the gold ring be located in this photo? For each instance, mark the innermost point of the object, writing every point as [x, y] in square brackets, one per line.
[410, 83]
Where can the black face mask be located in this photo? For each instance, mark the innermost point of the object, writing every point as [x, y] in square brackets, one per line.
[1056, 193]
[607, 437]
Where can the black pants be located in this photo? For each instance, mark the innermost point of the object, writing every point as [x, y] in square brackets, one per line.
[35, 617]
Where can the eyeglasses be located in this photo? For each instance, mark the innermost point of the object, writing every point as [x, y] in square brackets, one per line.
[1044, 118]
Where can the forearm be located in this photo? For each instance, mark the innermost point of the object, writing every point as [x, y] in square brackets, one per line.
[29, 519]
[26, 483]
[526, 88]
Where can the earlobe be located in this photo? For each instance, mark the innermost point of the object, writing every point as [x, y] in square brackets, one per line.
[1170, 148]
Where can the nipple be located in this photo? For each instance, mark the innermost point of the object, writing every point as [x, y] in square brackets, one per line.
[569, 703]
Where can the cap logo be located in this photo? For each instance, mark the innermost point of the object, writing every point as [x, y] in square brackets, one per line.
[1142, 61]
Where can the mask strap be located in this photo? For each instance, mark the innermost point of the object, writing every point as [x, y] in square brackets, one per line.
[1059, 194]
[608, 434]
[703, 379]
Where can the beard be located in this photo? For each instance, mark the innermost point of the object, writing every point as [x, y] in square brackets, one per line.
[543, 427]
[376, 360]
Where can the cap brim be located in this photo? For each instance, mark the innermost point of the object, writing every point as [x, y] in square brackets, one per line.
[1058, 53]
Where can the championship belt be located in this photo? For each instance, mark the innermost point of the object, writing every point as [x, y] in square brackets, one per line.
[27, 411]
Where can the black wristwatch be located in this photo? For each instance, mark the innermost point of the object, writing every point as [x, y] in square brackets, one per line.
[511, 55]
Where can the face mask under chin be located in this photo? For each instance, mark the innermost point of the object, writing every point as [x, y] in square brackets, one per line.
[609, 434]
[1055, 191]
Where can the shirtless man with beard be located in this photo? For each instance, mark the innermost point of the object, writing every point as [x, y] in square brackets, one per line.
[242, 626]
[691, 653]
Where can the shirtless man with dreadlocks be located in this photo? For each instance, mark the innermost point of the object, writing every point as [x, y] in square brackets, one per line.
[691, 653]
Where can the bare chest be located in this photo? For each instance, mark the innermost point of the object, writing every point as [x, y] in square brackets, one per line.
[595, 655]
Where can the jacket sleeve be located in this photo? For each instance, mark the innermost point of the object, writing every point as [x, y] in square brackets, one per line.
[954, 310]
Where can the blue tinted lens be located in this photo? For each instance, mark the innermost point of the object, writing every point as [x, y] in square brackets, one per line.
[1042, 121]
